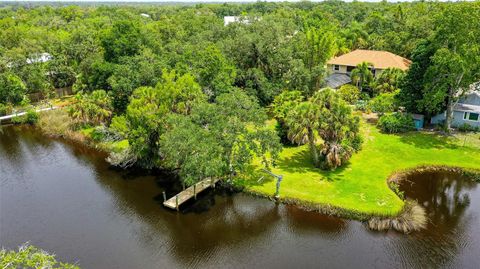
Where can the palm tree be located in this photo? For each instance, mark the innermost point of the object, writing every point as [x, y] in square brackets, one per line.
[302, 123]
[388, 80]
[326, 116]
[362, 75]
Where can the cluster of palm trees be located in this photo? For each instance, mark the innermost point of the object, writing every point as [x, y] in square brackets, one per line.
[324, 122]
[387, 81]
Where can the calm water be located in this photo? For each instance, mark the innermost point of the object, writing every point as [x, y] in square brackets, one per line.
[65, 199]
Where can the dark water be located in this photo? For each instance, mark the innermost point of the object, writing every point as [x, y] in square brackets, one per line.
[65, 199]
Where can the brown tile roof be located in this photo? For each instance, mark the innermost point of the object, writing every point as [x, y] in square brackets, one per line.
[379, 59]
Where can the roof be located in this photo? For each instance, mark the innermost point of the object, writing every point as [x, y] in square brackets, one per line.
[418, 116]
[379, 59]
[466, 108]
[336, 80]
[40, 58]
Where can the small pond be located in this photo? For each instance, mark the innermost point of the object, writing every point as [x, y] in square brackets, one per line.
[67, 200]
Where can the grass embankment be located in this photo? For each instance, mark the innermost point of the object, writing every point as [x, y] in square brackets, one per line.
[57, 123]
[359, 189]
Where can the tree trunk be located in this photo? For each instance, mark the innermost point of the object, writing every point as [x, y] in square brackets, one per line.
[449, 116]
[313, 148]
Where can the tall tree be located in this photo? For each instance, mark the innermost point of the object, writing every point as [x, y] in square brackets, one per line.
[149, 108]
[12, 88]
[412, 84]
[124, 38]
[218, 139]
[456, 62]
[321, 46]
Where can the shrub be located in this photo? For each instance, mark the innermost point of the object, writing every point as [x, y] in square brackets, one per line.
[6, 109]
[396, 123]
[104, 134]
[384, 103]
[361, 105]
[349, 93]
[30, 257]
[55, 123]
[94, 108]
[468, 128]
[31, 117]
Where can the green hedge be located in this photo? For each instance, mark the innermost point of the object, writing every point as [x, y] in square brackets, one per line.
[396, 123]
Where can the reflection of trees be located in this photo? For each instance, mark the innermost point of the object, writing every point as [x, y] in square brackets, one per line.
[216, 221]
[446, 197]
[18, 143]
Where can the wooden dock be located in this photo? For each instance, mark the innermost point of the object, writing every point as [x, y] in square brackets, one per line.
[191, 192]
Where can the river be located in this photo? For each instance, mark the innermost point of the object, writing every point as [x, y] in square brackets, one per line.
[66, 199]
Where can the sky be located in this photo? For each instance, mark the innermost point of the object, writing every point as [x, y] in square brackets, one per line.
[194, 1]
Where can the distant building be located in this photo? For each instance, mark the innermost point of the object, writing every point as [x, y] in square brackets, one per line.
[40, 58]
[341, 67]
[231, 19]
[145, 15]
[465, 111]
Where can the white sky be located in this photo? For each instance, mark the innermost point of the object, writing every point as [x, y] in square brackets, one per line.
[203, 1]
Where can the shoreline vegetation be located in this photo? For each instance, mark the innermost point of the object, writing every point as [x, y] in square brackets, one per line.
[365, 189]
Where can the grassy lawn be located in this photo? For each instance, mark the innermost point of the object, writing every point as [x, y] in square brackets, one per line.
[361, 185]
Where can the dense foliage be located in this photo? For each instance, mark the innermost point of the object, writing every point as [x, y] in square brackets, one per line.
[31, 257]
[189, 93]
[284, 45]
[384, 103]
[396, 123]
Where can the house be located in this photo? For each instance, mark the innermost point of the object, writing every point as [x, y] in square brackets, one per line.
[465, 111]
[239, 19]
[40, 58]
[231, 19]
[341, 67]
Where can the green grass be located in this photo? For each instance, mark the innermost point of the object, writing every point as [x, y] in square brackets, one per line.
[361, 185]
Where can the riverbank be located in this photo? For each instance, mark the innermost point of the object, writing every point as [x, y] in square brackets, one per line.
[360, 189]
[58, 124]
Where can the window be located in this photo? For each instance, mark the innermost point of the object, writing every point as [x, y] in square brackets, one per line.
[350, 68]
[471, 116]
[336, 67]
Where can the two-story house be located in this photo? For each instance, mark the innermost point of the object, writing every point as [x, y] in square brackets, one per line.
[340, 67]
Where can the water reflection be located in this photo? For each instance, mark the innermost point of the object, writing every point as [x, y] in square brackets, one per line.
[447, 198]
[66, 199]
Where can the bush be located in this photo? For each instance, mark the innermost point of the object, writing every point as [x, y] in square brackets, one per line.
[468, 128]
[6, 109]
[349, 93]
[384, 103]
[361, 105]
[31, 117]
[55, 123]
[396, 123]
[30, 257]
[103, 134]
[12, 88]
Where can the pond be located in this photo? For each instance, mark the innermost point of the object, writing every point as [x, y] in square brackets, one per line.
[66, 199]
